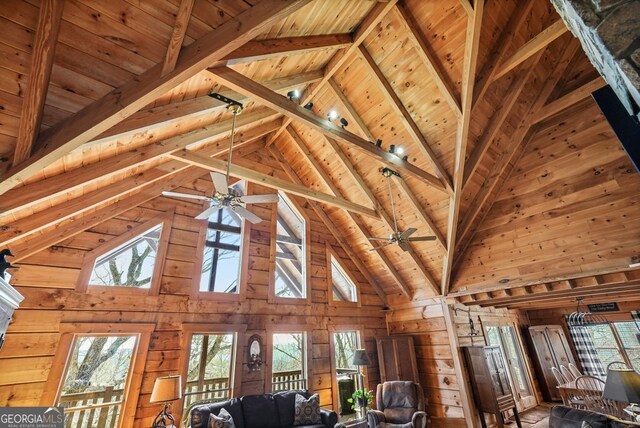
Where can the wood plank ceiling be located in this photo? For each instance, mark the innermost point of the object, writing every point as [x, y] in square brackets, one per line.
[510, 164]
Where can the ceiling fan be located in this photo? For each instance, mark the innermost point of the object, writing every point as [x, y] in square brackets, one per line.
[225, 196]
[398, 237]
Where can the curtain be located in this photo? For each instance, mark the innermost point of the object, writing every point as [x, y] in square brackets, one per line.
[587, 355]
[636, 317]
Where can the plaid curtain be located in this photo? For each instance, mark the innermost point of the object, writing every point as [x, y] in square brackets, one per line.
[589, 360]
[636, 317]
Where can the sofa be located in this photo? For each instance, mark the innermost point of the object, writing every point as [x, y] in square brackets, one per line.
[568, 417]
[259, 411]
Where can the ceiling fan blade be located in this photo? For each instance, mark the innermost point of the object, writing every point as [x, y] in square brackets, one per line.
[235, 217]
[421, 238]
[208, 212]
[404, 245]
[378, 239]
[260, 199]
[246, 214]
[408, 233]
[186, 195]
[381, 246]
[220, 182]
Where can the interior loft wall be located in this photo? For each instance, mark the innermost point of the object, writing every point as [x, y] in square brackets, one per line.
[47, 281]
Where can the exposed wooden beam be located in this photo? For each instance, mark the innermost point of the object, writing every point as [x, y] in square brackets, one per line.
[269, 181]
[80, 222]
[331, 226]
[174, 113]
[243, 84]
[405, 117]
[362, 128]
[177, 36]
[39, 191]
[132, 96]
[256, 50]
[373, 18]
[466, 5]
[35, 94]
[498, 118]
[428, 58]
[534, 45]
[472, 44]
[520, 138]
[328, 182]
[486, 75]
[570, 99]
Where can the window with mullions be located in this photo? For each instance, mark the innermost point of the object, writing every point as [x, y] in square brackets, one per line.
[290, 271]
[221, 260]
[616, 341]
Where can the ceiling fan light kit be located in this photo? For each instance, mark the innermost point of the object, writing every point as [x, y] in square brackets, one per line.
[225, 196]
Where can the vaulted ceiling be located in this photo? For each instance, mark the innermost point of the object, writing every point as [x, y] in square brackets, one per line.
[510, 163]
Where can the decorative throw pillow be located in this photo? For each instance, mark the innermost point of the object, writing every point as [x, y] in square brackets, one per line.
[307, 411]
[223, 420]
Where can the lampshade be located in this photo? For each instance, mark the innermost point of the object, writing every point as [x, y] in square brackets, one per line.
[360, 358]
[622, 385]
[166, 388]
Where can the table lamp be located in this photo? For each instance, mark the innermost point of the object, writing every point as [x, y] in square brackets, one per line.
[165, 390]
[622, 385]
[360, 359]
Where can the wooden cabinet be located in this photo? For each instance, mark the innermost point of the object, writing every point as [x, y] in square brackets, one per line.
[550, 349]
[490, 382]
[397, 359]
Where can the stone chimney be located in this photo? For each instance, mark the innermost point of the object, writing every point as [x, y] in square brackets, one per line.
[609, 31]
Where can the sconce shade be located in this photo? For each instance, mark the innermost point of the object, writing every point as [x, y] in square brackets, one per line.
[360, 358]
[168, 388]
[622, 385]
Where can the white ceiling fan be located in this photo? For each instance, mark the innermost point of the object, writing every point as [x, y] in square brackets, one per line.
[225, 196]
[398, 237]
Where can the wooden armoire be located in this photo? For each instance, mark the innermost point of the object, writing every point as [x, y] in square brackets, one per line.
[490, 382]
[397, 359]
[550, 349]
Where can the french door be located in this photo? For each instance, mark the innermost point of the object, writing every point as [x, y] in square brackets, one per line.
[506, 337]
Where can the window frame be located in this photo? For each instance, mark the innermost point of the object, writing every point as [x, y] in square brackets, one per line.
[334, 328]
[245, 234]
[188, 330]
[329, 253]
[272, 329]
[165, 220]
[619, 344]
[69, 333]
[272, 298]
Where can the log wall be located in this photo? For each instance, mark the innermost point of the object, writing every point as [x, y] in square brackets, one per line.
[47, 281]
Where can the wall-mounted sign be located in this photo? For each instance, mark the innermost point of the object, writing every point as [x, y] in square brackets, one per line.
[603, 307]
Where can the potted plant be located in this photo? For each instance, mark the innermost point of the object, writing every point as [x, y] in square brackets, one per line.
[361, 399]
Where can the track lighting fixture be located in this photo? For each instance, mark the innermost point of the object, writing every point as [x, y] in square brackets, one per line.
[399, 150]
[378, 142]
[332, 115]
[405, 158]
[308, 105]
[344, 122]
[293, 95]
[392, 148]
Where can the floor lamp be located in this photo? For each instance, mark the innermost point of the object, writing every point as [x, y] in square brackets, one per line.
[361, 359]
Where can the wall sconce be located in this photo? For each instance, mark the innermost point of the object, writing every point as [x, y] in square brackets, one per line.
[254, 353]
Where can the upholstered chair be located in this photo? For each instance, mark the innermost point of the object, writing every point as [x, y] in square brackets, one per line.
[400, 405]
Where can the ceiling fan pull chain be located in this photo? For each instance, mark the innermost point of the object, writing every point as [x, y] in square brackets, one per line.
[393, 207]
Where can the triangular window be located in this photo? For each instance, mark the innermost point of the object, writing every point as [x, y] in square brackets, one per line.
[133, 260]
[343, 288]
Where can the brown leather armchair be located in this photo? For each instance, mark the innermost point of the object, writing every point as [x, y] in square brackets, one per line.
[400, 405]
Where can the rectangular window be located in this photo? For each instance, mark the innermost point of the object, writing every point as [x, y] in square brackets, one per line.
[342, 287]
[220, 270]
[604, 343]
[210, 368]
[290, 269]
[627, 332]
[95, 379]
[288, 363]
[345, 344]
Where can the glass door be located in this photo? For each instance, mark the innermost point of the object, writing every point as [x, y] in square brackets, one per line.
[506, 337]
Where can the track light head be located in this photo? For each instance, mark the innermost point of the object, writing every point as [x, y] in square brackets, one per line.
[332, 115]
[392, 148]
[405, 158]
[399, 150]
[378, 142]
[344, 122]
[308, 105]
[293, 95]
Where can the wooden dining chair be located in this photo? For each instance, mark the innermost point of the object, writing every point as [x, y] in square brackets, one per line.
[566, 373]
[617, 365]
[574, 370]
[591, 389]
[561, 381]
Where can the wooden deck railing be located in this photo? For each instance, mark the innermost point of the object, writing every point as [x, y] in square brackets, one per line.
[210, 390]
[284, 381]
[98, 409]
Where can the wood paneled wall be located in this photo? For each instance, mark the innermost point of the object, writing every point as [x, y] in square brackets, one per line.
[47, 281]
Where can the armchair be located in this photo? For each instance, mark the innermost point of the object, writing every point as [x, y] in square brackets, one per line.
[400, 405]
